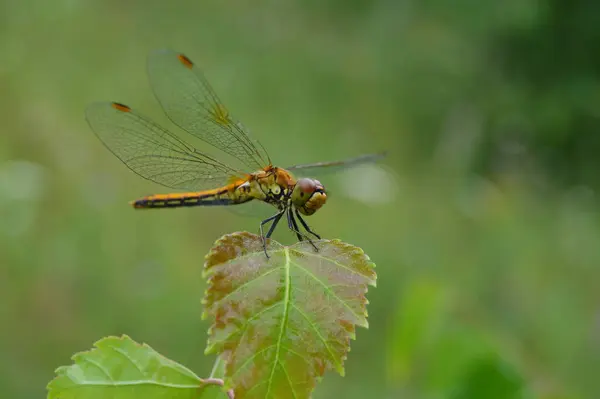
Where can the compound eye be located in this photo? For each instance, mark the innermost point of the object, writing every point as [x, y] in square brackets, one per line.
[306, 187]
[308, 196]
[303, 190]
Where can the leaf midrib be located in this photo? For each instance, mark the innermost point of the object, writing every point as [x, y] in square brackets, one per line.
[284, 319]
[108, 383]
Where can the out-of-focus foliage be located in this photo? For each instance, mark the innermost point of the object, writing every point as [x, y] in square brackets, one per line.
[483, 220]
[490, 378]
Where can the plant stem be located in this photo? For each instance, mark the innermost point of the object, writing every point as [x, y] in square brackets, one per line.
[217, 374]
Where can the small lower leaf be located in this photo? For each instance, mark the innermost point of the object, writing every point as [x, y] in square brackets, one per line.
[280, 323]
[122, 368]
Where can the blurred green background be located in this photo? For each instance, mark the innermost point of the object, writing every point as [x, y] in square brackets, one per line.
[483, 220]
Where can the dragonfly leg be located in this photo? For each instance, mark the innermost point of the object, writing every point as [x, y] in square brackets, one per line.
[274, 224]
[294, 227]
[305, 225]
[275, 218]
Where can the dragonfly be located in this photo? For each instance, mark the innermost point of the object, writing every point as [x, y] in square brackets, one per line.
[161, 156]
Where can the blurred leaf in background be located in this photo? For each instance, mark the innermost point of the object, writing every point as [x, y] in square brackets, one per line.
[489, 377]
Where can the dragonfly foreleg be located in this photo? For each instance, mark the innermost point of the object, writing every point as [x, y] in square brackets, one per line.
[305, 225]
[294, 227]
[275, 218]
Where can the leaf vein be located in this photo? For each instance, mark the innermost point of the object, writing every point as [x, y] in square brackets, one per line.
[338, 264]
[237, 289]
[99, 366]
[329, 291]
[138, 382]
[127, 357]
[254, 355]
[244, 327]
[316, 330]
[287, 375]
[284, 318]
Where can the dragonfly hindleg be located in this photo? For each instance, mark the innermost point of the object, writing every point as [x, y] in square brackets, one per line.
[275, 219]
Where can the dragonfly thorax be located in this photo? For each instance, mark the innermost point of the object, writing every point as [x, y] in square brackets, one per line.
[278, 187]
[308, 196]
[273, 185]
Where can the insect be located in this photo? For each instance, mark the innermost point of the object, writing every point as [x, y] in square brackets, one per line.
[161, 156]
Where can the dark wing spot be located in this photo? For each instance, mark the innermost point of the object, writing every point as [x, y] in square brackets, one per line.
[185, 61]
[121, 107]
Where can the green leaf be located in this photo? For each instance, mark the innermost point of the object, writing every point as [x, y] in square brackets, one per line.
[490, 377]
[280, 323]
[121, 368]
[418, 317]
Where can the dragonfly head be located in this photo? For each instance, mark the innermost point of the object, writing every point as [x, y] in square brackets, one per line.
[308, 196]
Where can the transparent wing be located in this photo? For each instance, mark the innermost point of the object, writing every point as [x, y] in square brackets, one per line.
[259, 210]
[323, 171]
[153, 152]
[189, 101]
[324, 168]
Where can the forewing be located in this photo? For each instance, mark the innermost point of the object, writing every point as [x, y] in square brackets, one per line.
[189, 101]
[323, 171]
[315, 170]
[153, 152]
